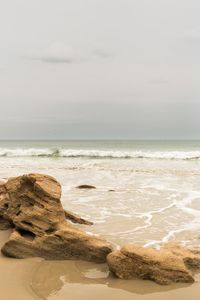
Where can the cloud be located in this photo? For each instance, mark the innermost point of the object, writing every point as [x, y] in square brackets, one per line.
[58, 53]
[102, 53]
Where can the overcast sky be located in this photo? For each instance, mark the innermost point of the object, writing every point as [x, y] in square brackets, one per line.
[99, 69]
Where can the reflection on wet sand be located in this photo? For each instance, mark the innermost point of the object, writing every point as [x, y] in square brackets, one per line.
[52, 279]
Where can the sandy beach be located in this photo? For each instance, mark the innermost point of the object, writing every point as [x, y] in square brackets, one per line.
[16, 275]
[137, 200]
[35, 278]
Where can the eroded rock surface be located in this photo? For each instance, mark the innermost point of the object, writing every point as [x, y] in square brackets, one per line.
[31, 204]
[172, 263]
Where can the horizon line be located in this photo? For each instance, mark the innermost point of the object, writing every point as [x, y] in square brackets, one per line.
[101, 139]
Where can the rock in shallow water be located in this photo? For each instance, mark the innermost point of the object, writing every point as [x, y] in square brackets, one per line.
[86, 186]
[31, 204]
[172, 263]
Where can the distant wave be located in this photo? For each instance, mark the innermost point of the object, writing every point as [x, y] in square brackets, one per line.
[99, 154]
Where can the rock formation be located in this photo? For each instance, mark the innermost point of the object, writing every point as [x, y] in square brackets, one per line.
[31, 205]
[172, 263]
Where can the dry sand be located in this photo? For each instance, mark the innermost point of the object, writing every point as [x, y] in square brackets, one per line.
[39, 279]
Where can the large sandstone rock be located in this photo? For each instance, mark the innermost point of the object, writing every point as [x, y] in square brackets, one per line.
[172, 263]
[4, 222]
[31, 204]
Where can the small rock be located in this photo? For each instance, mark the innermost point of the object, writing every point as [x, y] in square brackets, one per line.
[86, 186]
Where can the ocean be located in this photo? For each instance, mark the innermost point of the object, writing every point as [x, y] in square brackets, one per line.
[147, 192]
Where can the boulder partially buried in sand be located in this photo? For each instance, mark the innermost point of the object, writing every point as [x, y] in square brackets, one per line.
[172, 263]
[31, 204]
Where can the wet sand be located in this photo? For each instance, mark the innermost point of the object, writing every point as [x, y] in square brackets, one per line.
[56, 280]
[16, 275]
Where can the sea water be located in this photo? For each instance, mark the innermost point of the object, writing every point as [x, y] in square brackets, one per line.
[147, 192]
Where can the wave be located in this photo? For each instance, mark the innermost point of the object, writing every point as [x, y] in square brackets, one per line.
[99, 154]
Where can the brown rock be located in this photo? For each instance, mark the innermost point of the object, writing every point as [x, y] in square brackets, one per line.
[5, 223]
[172, 263]
[68, 242]
[74, 218]
[86, 186]
[31, 203]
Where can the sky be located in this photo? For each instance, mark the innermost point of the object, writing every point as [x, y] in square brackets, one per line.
[99, 69]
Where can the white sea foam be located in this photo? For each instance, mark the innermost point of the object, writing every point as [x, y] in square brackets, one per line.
[75, 153]
[185, 203]
[191, 226]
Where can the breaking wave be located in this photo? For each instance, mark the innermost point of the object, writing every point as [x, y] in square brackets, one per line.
[99, 154]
